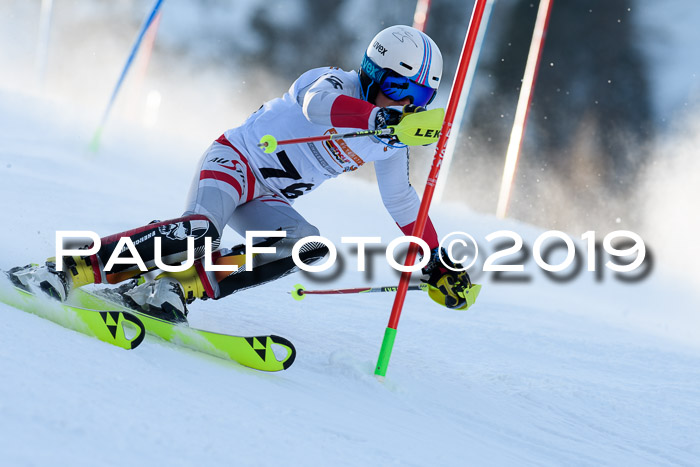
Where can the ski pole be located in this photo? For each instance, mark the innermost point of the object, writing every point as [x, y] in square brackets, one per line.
[300, 292]
[414, 129]
[269, 143]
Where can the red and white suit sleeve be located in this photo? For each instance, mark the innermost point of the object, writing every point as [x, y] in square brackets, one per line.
[330, 101]
[400, 198]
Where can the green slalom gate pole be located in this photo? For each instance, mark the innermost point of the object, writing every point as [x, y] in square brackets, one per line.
[465, 58]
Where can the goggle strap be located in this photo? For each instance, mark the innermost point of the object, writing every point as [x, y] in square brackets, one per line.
[372, 70]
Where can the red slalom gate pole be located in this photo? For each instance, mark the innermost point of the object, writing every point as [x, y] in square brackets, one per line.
[523, 109]
[419, 227]
[420, 17]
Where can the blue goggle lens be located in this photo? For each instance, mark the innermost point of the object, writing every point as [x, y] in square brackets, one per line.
[398, 87]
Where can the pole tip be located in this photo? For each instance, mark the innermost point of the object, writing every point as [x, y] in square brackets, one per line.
[268, 143]
[298, 292]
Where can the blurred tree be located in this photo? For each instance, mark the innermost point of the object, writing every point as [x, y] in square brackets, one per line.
[592, 88]
[312, 33]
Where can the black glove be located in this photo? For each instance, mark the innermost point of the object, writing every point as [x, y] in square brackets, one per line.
[412, 109]
[448, 288]
[388, 116]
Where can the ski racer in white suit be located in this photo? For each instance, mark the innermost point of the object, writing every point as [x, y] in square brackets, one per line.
[239, 185]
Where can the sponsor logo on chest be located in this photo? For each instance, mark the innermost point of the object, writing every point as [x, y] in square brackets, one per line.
[341, 153]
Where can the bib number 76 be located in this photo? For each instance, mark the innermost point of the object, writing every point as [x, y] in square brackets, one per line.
[288, 171]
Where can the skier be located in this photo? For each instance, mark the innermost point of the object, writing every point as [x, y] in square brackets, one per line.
[239, 185]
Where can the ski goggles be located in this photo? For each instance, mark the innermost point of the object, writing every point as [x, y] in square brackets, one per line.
[397, 87]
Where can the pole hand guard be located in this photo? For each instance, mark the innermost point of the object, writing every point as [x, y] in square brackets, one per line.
[420, 128]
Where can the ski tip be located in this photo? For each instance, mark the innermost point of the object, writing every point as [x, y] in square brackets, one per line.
[298, 292]
[291, 351]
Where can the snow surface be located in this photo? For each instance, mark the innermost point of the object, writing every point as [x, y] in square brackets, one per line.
[542, 373]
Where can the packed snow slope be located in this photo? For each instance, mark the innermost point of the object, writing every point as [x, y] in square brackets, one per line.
[579, 373]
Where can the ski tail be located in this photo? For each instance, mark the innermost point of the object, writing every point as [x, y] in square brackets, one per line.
[117, 327]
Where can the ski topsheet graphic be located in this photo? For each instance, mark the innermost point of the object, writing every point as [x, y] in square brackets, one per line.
[111, 325]
[256, 352]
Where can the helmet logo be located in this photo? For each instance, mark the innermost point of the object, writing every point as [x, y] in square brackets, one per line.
[404, 34]
[380, 48]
